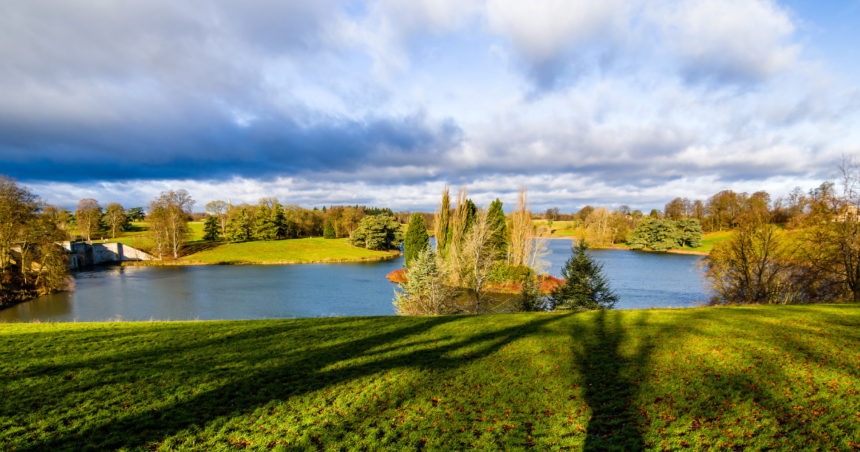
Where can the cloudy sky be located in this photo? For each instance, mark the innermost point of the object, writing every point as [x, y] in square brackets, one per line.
[384, 102]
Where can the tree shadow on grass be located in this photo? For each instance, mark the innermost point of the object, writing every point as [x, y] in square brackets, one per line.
[609, 387]
[312, 370]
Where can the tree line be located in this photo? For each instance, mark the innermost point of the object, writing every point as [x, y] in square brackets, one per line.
[271, 220]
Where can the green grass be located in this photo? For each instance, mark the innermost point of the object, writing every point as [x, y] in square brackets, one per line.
[711, 239]
[753, 378]
[292, 250]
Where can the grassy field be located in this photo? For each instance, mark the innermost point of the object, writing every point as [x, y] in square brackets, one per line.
[293, 250]
[753, 378]
[136, 235]
[711, 239]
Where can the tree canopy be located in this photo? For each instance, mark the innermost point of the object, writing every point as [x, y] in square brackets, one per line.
[378, 232]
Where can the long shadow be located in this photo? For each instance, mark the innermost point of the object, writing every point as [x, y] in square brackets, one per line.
[609, 390]
[314, 370]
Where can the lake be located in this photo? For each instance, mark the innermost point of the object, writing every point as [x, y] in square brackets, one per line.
[641, 279]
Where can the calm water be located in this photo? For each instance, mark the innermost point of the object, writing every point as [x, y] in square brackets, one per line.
[642, 280]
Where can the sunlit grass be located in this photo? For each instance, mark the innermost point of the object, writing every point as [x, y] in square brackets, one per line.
[283, 251]
[754, 378]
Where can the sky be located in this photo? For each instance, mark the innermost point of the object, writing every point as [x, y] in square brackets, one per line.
[385, 102]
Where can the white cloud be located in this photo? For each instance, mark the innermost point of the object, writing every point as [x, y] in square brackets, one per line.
[541, 29]
[729, 40]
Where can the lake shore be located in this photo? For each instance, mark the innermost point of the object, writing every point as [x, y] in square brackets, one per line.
[181, 262]
[625, 248]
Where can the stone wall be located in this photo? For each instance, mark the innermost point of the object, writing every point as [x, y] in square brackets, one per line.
[82, 254]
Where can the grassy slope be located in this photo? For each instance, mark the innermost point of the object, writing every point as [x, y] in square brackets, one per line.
[137, 234]
[754, 378]
[294, 250]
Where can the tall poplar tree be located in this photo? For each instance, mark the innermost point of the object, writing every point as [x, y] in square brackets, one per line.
[443, 222]
[417, 238]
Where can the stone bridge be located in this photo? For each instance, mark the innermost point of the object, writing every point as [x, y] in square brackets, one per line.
[82, 254]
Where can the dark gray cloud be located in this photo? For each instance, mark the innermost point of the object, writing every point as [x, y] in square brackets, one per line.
[213, 91]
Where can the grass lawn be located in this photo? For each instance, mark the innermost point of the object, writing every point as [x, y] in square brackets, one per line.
[136, 235]
[753, 378]
[292, 250]
[711, 239]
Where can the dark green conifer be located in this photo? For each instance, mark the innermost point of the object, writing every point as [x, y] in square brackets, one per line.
[443, 227]
[210, 229]
[265, 226]
[496, 217]
[471, 213]
[417, 238]
[585, 287]
[280, 221]
[329, 230]
[239, 227]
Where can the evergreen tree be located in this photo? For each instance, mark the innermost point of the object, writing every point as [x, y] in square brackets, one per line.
[496, 217]
[641, 236]
[471, 213]
[377, 233]
[664, 236]
[211, 228]
[239, 227]
[329, 230]
[426, 291]
[444, 223]
[417, 238]
[690, 232]
[585, 287]
[531, 298]
[265, 226]
[280, 220]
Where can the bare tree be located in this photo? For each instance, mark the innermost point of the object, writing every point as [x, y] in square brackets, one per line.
[158, 228]
[598, 225]
[754, 267]
[834, 235]
[171, 220]
[479, 257]
[219, 209]
[522, 231]
[89, 216]
[116, 217]
[268, 201]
